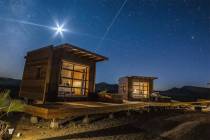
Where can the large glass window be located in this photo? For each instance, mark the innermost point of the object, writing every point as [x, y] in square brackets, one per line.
[74, 80]
[140, 89]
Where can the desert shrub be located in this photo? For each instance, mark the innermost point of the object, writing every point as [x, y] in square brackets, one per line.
[8, 105]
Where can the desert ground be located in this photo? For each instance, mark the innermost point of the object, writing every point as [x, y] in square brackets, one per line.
[137, 126]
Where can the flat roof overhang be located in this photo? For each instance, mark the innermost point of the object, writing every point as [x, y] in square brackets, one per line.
[82, 52]
[142, 77]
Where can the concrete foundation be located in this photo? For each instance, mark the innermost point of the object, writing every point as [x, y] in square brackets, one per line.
[54, 124]
[34, 120]
[86, 120]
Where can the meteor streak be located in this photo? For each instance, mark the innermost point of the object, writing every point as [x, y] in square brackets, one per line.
[110, 25]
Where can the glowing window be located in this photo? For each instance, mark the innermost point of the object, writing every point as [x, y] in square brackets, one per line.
[140, 89]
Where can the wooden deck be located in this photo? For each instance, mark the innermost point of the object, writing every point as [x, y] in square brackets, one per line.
[62, 110]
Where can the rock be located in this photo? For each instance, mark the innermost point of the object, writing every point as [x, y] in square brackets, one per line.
[54, 124]
[11, 130]
[85, 120]
[18, 134]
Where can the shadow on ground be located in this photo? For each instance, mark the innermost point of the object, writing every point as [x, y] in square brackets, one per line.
[12, 119]
[112, 131]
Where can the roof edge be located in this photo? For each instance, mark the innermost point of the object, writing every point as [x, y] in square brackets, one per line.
[141, 77]
[87, 51]
[39, 49]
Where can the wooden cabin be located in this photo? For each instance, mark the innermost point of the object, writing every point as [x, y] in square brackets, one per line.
[59, 73]
[136, 87]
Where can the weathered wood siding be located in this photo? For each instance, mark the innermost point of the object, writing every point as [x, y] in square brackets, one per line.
[123, 87]
[36, 73]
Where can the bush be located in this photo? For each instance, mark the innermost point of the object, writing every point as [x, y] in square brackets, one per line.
[8, 105]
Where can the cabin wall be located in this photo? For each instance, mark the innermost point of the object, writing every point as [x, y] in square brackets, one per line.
[130, 89]
[123, 87]
[54, 77]
[151, 86]
[36, 74]
[92, 76]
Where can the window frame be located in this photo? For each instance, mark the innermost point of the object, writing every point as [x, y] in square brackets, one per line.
[140, 88]
[84, 88]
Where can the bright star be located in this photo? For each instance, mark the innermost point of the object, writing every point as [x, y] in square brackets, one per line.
[59, 29]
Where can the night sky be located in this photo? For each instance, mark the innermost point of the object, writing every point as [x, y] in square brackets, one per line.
[169, 39]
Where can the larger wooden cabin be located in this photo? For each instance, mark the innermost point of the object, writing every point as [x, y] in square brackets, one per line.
[61, 73]
[136, 87]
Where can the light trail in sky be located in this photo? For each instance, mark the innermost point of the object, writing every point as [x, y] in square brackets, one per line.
[110, 25]
[93, 36]
[59, 29]
[26, 22]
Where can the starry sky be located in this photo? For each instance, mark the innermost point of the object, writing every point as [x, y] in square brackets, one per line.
[169, 39]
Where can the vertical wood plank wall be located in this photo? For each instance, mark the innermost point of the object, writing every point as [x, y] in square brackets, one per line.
[36, 75]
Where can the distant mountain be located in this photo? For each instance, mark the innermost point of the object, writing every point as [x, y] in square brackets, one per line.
[187, 93]
[9, 82]
[111, 88]
[12, 84]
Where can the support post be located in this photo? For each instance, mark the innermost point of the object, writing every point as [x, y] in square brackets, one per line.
[111, 116]
[148, 109]
[128, 113]
[86, 120]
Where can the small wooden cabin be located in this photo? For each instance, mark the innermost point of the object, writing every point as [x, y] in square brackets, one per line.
[61, 73]
[136, 87]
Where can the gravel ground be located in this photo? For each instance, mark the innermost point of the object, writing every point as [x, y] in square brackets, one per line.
[138, 126]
